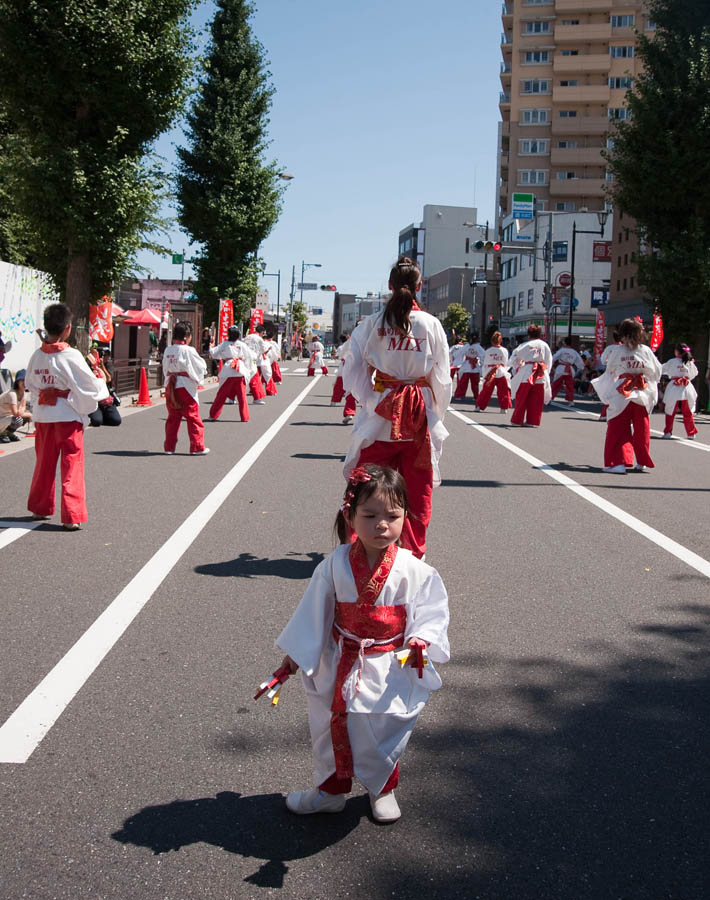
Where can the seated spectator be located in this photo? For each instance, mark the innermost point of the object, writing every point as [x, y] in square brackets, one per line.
[582, 384]
[107, 412]
[13, 410]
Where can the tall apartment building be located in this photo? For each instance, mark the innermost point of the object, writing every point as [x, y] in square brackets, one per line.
[567, 65]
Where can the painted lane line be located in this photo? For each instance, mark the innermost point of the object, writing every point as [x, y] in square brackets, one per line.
[15, 530]
[27, 726]
[666, 543]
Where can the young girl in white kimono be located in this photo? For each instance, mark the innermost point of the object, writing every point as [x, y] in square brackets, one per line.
[681, 370]
[366, 601]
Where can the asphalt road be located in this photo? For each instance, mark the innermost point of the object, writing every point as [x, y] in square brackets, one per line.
[567, 755]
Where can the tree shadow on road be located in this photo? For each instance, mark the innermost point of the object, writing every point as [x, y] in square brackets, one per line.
[246, 565]
[339, 456]
[259, 826]
[133, 453]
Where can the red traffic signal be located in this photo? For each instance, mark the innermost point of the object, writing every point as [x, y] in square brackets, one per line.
[488, 246]
[328, 287]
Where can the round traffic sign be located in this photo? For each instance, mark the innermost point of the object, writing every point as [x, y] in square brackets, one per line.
[565, 279]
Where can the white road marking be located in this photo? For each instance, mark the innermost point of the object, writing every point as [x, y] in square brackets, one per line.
[24, 730]
[666, 543]
[15, 530]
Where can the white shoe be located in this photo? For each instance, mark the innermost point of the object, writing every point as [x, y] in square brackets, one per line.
[260, 403]
[200, 452]
[502, 411]
[385, 807]
[690, 437]
[303, 803]
[348, 420]
[71, 526]
[602, 418]
[615, 470]
[169, 452]
[667, 437]
[41, 518]
[638, 468]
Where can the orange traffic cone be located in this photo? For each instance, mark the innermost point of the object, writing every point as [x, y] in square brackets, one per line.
[143, 395]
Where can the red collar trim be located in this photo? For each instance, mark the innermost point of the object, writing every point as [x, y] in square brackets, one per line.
[415, 305]
[54, 348]
[369, 583]
[179, 342]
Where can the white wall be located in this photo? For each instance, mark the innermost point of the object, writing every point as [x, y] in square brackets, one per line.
[24, 293]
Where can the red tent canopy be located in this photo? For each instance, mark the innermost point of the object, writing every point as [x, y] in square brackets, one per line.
[142, 317]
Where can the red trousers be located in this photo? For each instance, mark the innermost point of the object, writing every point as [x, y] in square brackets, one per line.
[602, 411]
[568, 381]
[401, 455]
[53, 439]
[256, 387]
[626, 434]
[269, 386]
[464, 380]
[350, 405]
[335, 785]
[276, 369]
[688, 419]
[190, 412]
[312, 371]
[529, 401]
[503, 389]
[231, 389]
[339, 393]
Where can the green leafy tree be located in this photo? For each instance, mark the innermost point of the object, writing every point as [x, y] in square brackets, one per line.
[228, 197]
[661, 164]
[88, 86]
[457, 318]
[299, 316]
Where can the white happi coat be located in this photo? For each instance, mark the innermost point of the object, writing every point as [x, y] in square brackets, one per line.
[423, 352]
[470, 353]
[64, 370]
[317, 348]
[568, 361]
[269, 355]
[184, 358]
[675, 393]
[231, 350]
[256, 344]
[496, 358]
[522, 360]
[621, 361]
[456, 355]
[390, 695]
[343, 351]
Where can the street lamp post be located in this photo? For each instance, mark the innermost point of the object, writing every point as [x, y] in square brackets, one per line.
[602, 216]
[276, 275]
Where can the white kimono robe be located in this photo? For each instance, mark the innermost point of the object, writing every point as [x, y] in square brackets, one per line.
[316, 348]
[675, 393]
[382, 714]
[468, 354]
[256, 344]
[343, 351]
[422, 353]
[231, 350]
[621, 362]
[456, 355]
[568, 361]
[64, 370]
[270, 355]
[522, 360]
[184, 358]
[496, 358]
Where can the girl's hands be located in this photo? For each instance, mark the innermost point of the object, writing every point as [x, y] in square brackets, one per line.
[290, 664]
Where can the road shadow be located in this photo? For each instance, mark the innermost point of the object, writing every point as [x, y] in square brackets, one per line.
[258, 827]
[246, 565]
[584, 780]
[339, 456]
[462, 482]
[134, 453]
[318, 424]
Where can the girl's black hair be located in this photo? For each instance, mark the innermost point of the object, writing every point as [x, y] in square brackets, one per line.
[383, 479]
[181, 330]
[56, 318]
[684, 349]
[404, 280]
[631, 331]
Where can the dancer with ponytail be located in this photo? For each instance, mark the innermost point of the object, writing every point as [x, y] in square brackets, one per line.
[530, 363]
[338, 389]
[397, 368]
[681, 370]
[470, 359]
[495, 375]
[367, 604]
[316, 361]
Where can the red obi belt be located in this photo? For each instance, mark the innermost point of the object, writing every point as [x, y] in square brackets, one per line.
[404, 405]
[538, 371]
[631, 382]
[681, 381]
[361, 629]
[492, 374]
[48, 396]
[171, 397]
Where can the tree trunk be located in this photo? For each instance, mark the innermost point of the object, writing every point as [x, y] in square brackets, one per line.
[78, 297]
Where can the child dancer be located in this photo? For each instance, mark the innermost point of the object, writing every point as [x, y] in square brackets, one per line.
[266, 366]
[66, 391]
[629, 387]
[255, 343]
[338, 389]
[366, 601]
[236, 367]
[401, 423]
[470, 359]
[456, 357]
[531, 363]
[184, 369]
[495, 375]
[681, 370]
[316, 361]
[567, 361]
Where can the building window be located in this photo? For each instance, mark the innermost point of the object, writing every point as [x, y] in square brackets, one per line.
[650, 25]
[521, 300]
[618, 284]
[570, 53]
[531, 298]
[468, 245]
[631, 283]
[624, 51]
[559, 251]
[535, 57]
[541, 205]
[568, 113]
[626, 259]
[534, 116]
[532, 176]
[623, 21]
[619, 112]
[565, 176]
[536, 28]
[570, 21]
[535, 86]
[624, 284]
[565, 206]
[537, 2]
[569, 83]
[533, 147]
[567, 144]
[621, 84]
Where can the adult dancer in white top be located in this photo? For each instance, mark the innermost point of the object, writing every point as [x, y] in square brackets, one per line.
[565, 362]
[456, 357]
[338, 389]
[629, 387]
[495, 375]
[531, 364]
[470, 359]
[237, 369]
[398, 370]
[255, 343]
[681, 370]
[316, 361]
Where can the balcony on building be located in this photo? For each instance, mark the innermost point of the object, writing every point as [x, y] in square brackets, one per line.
[581, 93]
[584, 34]
[507, 13]
[582, 62]
[504, 99]
[586, 6]
[506, 40]
[576, 156]
[577, 187]
[580, 125]
[505, 129]
[504, 160]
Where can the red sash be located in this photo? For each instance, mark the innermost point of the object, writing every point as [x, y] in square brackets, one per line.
[631, 382]
[361, 629]
[681, 381]
[538, 371]
[405, 408]
[171, 398]
[48, 396]
[492, 374]
[234, 364]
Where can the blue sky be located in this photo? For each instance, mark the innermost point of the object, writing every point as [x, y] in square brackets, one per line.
[381, 106]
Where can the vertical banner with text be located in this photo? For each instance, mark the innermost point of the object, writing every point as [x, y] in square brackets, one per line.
[599, 337]
[101, 321]
[657, 333]
[256, 318]
[226, 319]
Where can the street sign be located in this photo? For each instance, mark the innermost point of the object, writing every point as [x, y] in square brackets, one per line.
[177, 259]
[523, 206]
[306, 286]
[564, 279]
[602, 251]
[600, 296]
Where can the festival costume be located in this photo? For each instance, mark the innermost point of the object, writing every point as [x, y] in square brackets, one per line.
[566, 361]
[470, 357]
[184, 369]
[316, 361]
[66, 392]
[362, 704]
[680, 390]
[338, 389]
[257, 346]
[495, 377]
[629, 388]
[455, 359]
[266, 364]
[530, 388]
[237, 367]
[401, 421]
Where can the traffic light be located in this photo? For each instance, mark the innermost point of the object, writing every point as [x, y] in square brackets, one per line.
[328, 287]
[488, 246]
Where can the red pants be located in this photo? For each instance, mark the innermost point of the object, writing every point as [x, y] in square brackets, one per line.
[190, 411]
[464, 380]
[401, 455]
[503, 389]
[335, 785]
[51, 440]
[529, 401]
[338, 390]
[256, 387]
[269, 386]
[312, 371]
[602, 412]
[626, 434]
[350, 405]
[231, 389]
[276, 369]
[688, 419]
[568, 381]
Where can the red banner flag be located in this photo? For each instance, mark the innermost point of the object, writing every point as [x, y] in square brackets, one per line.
[657, 333]
[256, 318]
[100, 321]
[226, 319]
[599, 337]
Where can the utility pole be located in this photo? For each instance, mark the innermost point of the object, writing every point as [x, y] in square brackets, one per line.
[289, 322]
